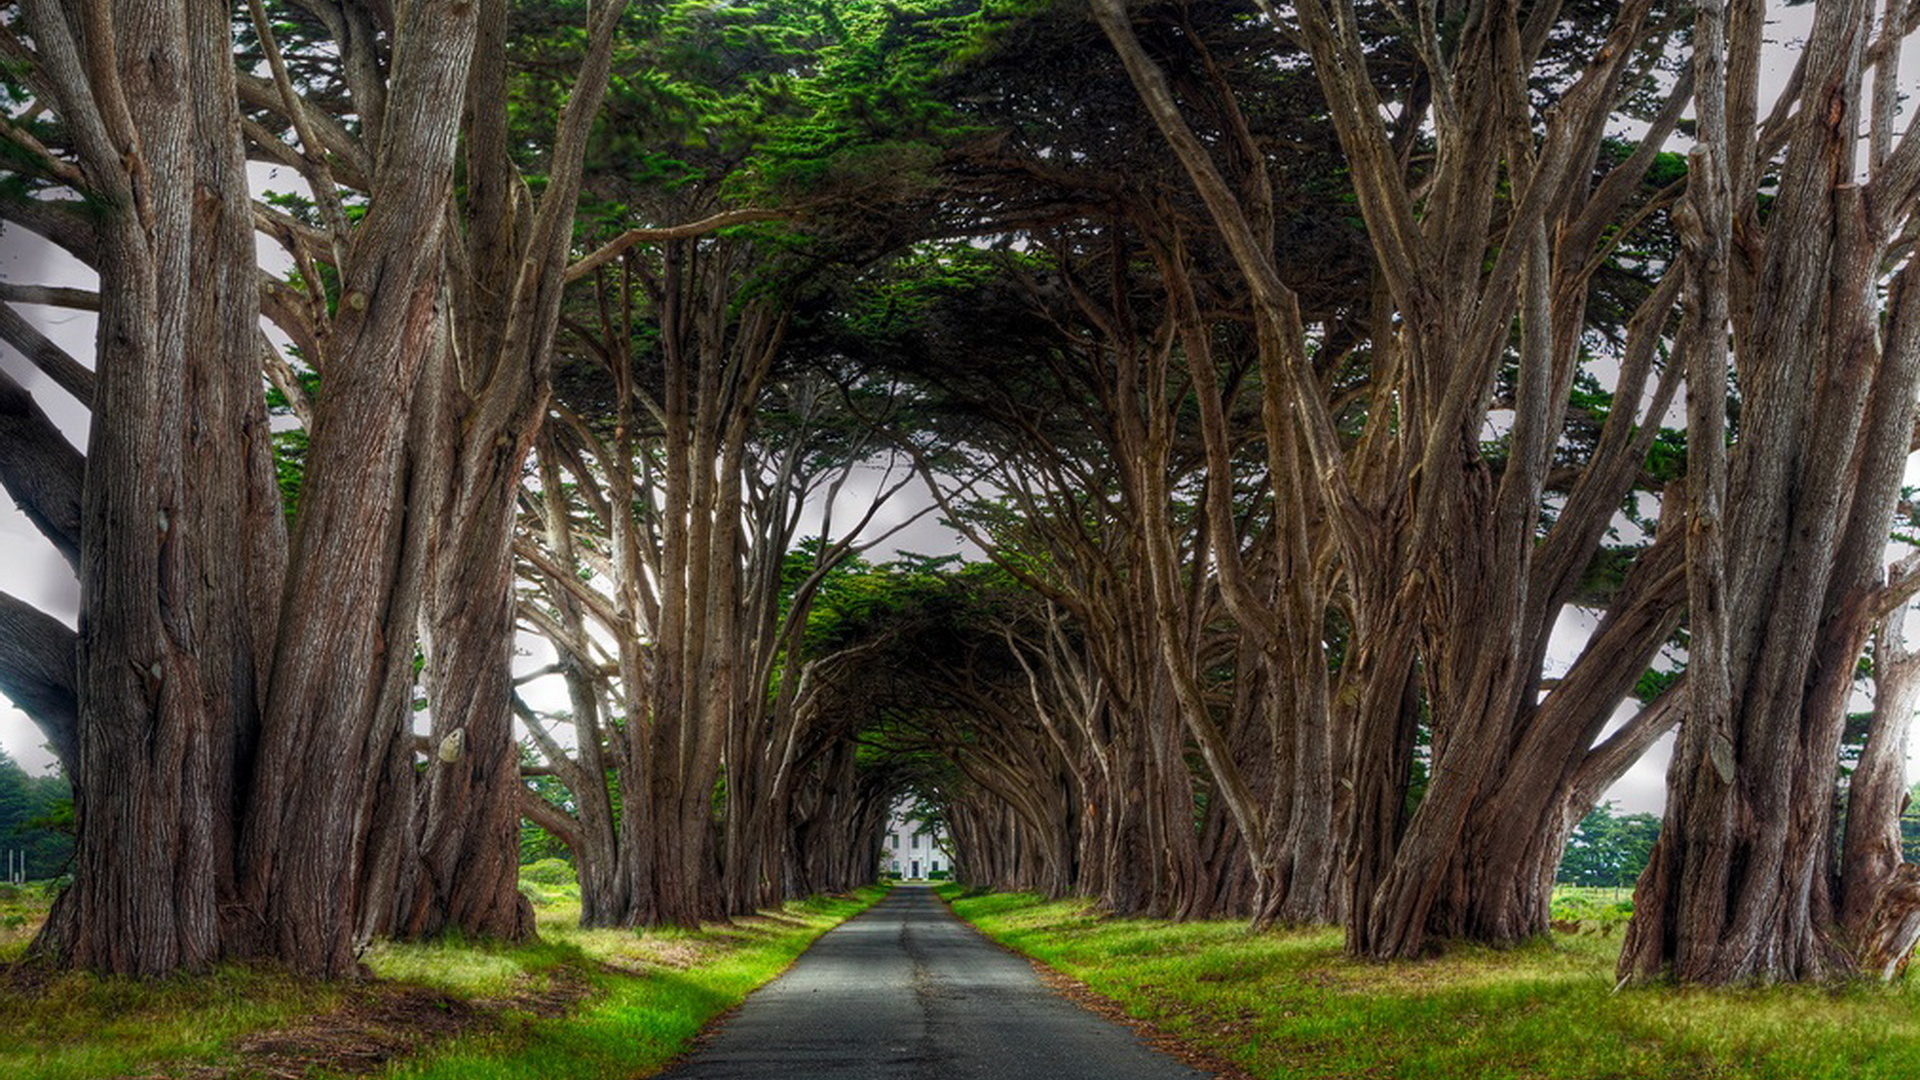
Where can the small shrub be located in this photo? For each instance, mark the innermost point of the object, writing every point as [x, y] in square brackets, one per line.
[549, 872]
[1577, 913]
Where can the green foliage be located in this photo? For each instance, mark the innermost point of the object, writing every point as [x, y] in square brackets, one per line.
[1608, 849]
[550, 872]
[36, 820]
[290, 443]
[22, 909]
[866, 118]
[857, 599]
[1652, 684]
[290, 467]
[1591, 910]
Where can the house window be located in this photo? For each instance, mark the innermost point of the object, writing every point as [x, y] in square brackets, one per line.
[916, 841]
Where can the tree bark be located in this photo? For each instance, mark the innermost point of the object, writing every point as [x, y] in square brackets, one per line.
[1739, 889]
[507, 312]
[180, 549]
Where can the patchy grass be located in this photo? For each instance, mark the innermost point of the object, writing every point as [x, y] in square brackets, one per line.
[576, 1004]
[70, 1026]
[22, 909]
[1289, 1004]
[652, 993]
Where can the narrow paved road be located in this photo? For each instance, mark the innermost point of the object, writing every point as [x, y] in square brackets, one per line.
[907, 991]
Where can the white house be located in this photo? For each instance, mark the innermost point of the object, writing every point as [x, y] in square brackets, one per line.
[909, 851]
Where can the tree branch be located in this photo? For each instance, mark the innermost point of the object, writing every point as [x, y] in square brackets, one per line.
[40, 469]
[52, 360]
[37, 672]
[614, 248]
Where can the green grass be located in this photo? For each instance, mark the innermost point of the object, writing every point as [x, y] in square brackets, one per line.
[654, 992]
[22, 909]
[575, 1004]
[72, 1027]
[1289, 1004]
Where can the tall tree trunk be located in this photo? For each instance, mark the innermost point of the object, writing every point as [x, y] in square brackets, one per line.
[1739, 888]
[1880, 890]
[508, 317]
[321, 737]
[237, 708]
[180, 550]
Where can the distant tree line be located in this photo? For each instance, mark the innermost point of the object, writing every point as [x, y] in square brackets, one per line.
[1608, 849]
[36, 820]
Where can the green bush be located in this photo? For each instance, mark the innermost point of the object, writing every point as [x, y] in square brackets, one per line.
[1589, 912]
[549, 872]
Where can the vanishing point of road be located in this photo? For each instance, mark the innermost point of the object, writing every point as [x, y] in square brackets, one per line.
[906, 991]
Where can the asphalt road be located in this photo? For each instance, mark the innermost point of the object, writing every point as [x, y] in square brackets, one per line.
[905, 990]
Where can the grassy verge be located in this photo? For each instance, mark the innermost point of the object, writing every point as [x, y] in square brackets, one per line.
[576, 1004]
[1288, 1004]
[652, 993]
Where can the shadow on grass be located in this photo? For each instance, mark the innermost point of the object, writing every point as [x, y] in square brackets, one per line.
[1289, 1003]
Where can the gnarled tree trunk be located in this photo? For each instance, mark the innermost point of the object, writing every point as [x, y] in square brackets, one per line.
[1788, 531]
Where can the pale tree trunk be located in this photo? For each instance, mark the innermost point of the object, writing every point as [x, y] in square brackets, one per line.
[591, 830]
[669, 492]
[1880, 890]
[1740, 887]
[507, 313]
[612, 852]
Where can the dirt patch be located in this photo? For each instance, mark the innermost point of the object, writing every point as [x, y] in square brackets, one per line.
[679, 955]
[26, 978]
[378, 1024]
[562, 994]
